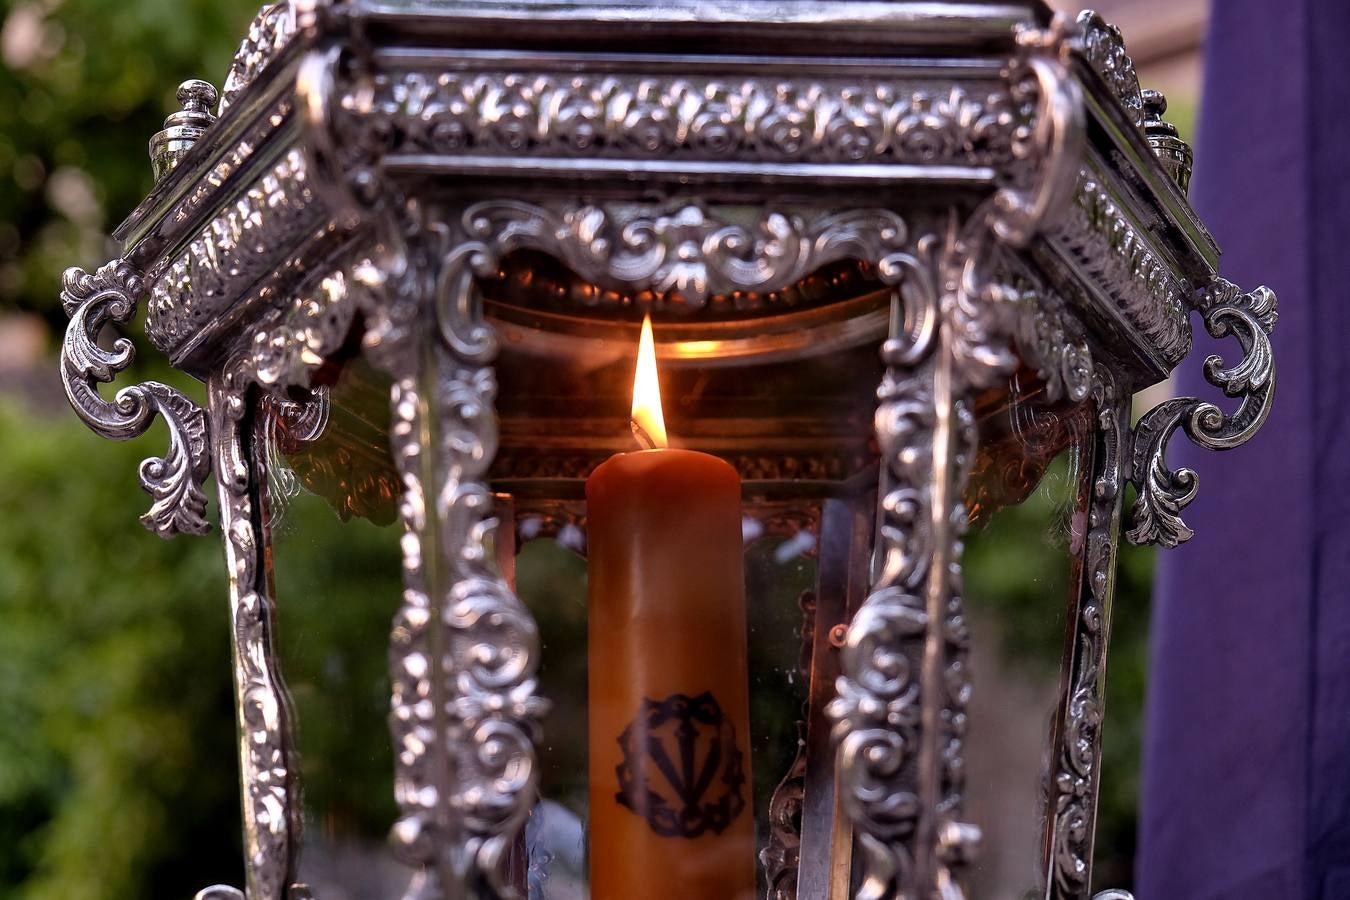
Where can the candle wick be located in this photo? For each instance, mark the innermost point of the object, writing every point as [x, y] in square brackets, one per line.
[643, 438]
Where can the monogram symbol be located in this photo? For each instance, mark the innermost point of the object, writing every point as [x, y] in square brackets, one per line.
[681, 769]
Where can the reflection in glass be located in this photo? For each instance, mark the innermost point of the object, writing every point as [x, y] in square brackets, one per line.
[336, 568]
[551, 581]
[1018, 571]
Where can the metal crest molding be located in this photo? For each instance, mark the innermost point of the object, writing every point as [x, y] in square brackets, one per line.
[1165, 492]
[686, 253]
[174, 480]
[979, 308]
[270, 31]
[466, 772]
[1104, 49]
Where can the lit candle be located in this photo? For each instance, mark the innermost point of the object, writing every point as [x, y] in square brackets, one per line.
[670, 788]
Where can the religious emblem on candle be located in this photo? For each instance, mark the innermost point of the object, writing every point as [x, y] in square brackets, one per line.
[669, 715]
[681, 769]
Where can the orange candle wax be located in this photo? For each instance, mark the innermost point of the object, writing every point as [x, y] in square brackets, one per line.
[670, 789]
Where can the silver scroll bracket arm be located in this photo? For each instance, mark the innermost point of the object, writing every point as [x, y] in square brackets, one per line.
[1164, 492]
[174, 480]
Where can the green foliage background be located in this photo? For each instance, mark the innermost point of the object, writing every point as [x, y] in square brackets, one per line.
[117, 768]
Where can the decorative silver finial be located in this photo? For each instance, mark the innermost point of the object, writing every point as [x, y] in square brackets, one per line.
[183, 128]
[1171, 150]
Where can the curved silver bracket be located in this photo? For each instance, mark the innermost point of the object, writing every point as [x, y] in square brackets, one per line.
[174, 480]
[1165, 492]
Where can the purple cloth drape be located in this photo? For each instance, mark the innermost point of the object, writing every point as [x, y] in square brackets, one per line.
[1247, 760]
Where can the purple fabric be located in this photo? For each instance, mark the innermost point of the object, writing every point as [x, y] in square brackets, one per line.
[1247, 761]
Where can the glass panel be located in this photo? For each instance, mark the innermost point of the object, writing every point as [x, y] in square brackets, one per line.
[780, 576]
[1018, 571]
[337, 573]
[551, 580]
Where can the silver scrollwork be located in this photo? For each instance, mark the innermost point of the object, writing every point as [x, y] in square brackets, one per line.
[687, 250]
[244, 242]
[1077, 766]
[564, 114]
[268, 33]
[900, 710]
[877, 710]
[466, 710]
[174, 480]
[493, 650]
[1165, 492]
[1052, 341]
[781, 858]
[270, 806]
[412, 661]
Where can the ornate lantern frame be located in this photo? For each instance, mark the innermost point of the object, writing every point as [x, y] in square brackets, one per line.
[373, 162]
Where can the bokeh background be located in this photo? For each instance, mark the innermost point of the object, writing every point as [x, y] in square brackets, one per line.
[117, 766]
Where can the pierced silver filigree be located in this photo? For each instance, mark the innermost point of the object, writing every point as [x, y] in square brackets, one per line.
[1164, 492]
[174, 480]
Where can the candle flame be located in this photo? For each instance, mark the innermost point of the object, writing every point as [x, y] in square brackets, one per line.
[649, 424]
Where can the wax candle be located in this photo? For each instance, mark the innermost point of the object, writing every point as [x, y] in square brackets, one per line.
[670, 789]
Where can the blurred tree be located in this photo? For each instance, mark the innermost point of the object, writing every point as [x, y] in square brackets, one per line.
[114, 663]
[83, 85]
[114, 681]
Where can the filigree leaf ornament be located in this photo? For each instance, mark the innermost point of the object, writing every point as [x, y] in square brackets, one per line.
[1164, 492]
[174, 481]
